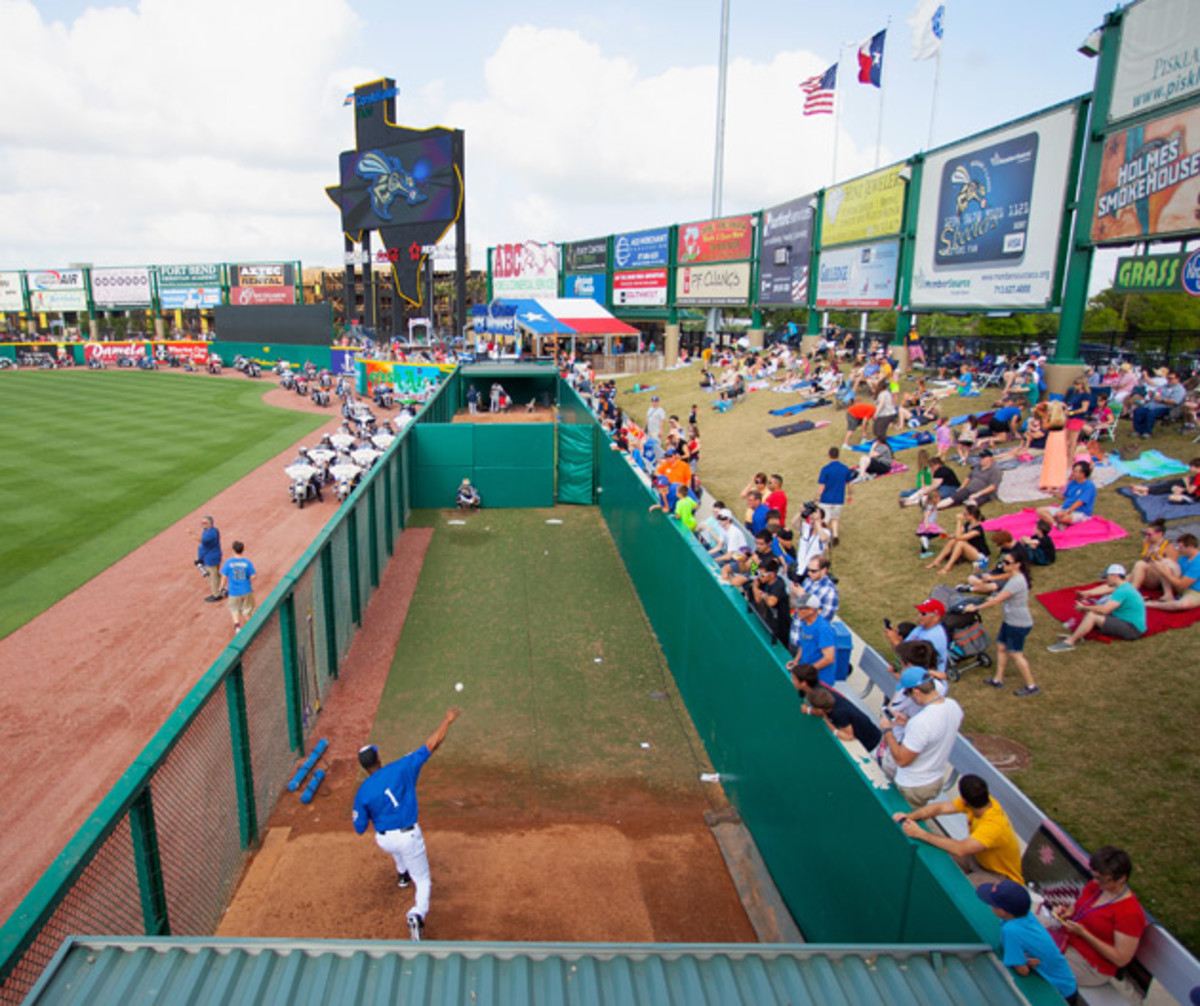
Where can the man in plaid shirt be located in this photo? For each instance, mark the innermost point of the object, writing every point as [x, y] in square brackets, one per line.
[816, 581]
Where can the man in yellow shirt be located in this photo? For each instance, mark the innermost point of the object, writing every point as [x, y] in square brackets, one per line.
[991, 843]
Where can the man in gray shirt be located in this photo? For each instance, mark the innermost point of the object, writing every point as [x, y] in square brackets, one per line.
[654, 419]
[981, 486]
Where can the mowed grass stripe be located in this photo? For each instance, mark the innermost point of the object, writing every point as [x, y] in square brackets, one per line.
[519, 610]
[98, 462]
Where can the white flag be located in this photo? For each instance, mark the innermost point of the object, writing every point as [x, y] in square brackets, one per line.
[927, 23]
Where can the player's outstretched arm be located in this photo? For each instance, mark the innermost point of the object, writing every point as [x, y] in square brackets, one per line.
[439, 734]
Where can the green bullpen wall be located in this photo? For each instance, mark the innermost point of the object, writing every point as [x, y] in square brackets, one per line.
[512, 465]
[846, 871]
[272, 353]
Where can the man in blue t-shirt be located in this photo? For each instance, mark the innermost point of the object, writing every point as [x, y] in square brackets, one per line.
[387, 798]
[1024, 942]
[1079, 498]
[834, 480]
[239, 574]
[208, 557]
[813, 640]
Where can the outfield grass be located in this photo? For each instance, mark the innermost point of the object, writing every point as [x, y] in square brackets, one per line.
[98, 462]
[541, 623]
[1116, 756]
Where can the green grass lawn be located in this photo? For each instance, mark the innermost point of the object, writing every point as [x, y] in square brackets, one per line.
[1116, 755]
[542, 625]
[97, 462]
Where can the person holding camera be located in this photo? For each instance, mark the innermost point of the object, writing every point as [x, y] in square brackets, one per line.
[768, 593]
[813, 538]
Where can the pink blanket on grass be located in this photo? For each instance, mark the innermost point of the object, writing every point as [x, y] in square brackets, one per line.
[1088, 532]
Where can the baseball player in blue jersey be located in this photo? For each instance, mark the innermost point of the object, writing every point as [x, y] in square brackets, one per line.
[387, 798]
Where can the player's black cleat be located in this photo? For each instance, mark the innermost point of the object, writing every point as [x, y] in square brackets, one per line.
[416, 927]
[404, 880]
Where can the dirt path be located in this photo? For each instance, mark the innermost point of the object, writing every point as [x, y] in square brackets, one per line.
[89, 681]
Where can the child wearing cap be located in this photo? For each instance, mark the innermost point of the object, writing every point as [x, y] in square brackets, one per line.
[1025, 945]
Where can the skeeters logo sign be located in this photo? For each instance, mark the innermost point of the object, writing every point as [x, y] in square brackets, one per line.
[121, 288]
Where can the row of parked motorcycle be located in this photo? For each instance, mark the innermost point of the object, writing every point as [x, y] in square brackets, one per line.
[341, 459]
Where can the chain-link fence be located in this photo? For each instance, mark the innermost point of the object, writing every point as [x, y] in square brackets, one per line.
[164, 851]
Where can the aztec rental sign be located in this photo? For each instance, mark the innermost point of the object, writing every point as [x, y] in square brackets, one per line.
[1150, 180]
[713, 285]
[121, 288]
[262, 283]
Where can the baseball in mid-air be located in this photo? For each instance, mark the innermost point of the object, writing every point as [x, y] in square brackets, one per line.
[458, 687]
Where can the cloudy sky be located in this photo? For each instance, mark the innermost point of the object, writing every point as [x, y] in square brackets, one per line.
[186, 131]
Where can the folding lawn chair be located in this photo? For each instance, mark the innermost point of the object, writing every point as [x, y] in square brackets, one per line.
[987, 376]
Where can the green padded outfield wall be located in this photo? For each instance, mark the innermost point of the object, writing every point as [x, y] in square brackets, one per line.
[510, 465]
[846, 872]
[273, 353]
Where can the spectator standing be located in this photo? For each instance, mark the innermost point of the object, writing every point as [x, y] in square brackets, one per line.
[776, 498]
[923, 757]
[239, 573]
[816, 580]
[812, 639]
[656, 415]
[769, 594]
[208, 557]
[1016, 626]
[835, 479]
[472, 400]
[885, 408]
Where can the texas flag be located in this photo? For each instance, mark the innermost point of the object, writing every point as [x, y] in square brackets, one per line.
[870, 60]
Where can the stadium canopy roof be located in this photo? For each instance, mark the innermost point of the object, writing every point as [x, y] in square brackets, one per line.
[567, 316]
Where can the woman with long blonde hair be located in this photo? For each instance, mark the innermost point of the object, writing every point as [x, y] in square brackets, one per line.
[1056, 467]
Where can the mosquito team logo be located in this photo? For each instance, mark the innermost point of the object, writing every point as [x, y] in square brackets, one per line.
[388, 180]
[973, 186]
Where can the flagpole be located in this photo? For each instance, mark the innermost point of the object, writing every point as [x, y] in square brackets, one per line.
[882, 85]
[937, 76]
[837, 114]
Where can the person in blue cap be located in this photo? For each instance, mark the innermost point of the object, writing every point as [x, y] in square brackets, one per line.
[1025, 945]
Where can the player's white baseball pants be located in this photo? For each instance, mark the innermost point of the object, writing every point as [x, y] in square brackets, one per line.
[407, 848]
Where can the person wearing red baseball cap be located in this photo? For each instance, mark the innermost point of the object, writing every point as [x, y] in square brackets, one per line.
[929, 627]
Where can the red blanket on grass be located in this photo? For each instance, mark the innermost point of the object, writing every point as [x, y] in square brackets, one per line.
[1086, 532]
[1061, 605]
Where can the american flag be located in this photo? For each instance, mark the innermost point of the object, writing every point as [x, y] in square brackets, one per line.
[819, 92]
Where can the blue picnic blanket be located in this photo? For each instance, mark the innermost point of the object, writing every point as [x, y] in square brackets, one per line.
[791, 410]
[900, 442]
[1155, 507]
[1150, 465]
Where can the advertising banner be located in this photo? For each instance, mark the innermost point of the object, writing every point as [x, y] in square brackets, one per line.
[197, 352]
[121, 288]
[726, 240]
[528, 270]
[784, 252]
[11, 297]
[585, 287]
[1150, 180]
[642, 249]
[342, 361]
[864, 208]
[110, 352]
[641, 288]
[586, 256]
[184, 287]
[713, 285]
[991, 217]
[57, 290]
[262, 283]
[1173, 273]
[1159, 60]
[860, 277]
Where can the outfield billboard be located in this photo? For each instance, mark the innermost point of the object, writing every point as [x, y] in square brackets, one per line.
[864, 208]
[727, 239]
[640, 288]
[726, 285]
[991, 215]
[12, 297]
[528, 270]
[262, 283]
[110, 352]
[183, 287]
[1159, 58]
[1173, 273]
[863, 276]
[585, 256]
[57, 290]
[642, 249]
[784, 252]
[1149, 180]
[121, 288]
[588, 287]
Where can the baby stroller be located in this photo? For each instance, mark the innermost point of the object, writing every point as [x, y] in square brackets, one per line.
[969, 640]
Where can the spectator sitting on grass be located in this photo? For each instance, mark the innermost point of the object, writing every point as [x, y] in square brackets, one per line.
[1179, 586]
[990, 852]
[942, 479]
[1078, 498]
[1025, 944]
[1004, 424]
[969, 541]
[1158, 556]
[1122, 615]
[842, 716]
[812, 639]
[1041, 547]
[982, 484]
[877, 461]
[1179, 489]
